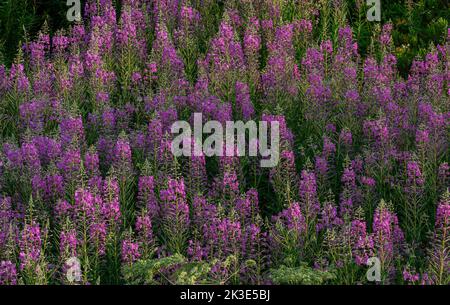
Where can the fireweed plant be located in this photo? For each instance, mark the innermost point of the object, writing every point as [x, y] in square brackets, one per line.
[87, 174]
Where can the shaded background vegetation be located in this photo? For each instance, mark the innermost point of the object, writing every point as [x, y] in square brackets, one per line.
[20, 19]
[417, 24]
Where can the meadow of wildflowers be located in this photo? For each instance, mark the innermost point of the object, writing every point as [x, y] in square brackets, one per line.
[90, 192]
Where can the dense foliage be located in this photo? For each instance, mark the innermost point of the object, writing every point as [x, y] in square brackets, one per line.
[417, 24]
[86, 169]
